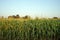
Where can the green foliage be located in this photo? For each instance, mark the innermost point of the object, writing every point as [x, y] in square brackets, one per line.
[43, 29]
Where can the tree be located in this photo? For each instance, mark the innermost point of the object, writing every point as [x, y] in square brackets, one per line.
[55, 17]
[13, 16]
[17, 16]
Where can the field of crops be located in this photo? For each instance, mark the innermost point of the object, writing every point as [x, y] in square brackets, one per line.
[38, 29]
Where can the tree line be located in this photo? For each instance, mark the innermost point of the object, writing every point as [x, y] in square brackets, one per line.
[17, 16]
[25, 17]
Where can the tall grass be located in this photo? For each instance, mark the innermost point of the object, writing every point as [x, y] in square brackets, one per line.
[43, 29]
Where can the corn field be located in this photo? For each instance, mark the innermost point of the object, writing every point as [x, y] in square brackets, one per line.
[40, 29]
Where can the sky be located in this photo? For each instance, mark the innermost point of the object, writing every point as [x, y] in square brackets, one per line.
[33, 8]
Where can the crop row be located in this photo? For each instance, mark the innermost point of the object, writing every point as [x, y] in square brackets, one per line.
[30, 30]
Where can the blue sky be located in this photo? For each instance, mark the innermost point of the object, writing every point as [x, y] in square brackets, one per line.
[33, 8]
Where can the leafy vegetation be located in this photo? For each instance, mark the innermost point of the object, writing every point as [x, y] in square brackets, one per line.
[38, 29]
